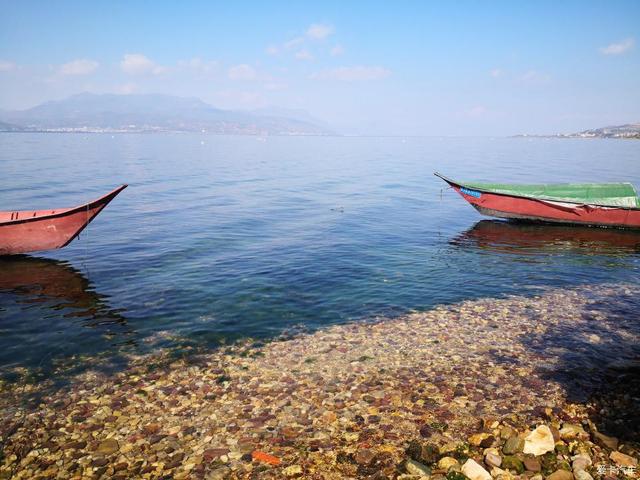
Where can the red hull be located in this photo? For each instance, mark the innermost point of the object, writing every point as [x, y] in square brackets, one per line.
[524, 208]
[31, 231]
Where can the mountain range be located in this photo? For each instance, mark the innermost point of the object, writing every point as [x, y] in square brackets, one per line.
[88, 112]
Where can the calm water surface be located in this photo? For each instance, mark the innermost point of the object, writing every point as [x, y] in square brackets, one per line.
[219, 238]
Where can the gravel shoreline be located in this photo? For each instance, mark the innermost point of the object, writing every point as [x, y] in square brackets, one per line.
[505, 388]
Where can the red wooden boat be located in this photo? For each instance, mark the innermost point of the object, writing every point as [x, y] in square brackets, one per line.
[591, 204]
[30, 231]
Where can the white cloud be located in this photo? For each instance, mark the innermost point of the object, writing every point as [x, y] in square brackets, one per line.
[242, 72]
[7, 66]
[272, 50]
[496, 72]
[81, 66]
[319, 31]
[304, 55]
[336, 51]
[198, 65]
[138, 64]
[294, 42]
[618, 48]
[534, 77]
[351, 74]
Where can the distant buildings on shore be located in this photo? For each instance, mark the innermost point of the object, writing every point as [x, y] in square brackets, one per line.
[628, 131]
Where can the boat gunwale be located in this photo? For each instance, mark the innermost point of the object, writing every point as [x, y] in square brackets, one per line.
[459, 184]
[65, 212]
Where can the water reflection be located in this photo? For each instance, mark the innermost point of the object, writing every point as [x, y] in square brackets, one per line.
[42, 304]
[522, 238]
[55, 284]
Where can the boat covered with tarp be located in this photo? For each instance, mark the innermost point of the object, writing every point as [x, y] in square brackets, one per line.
[592, 204]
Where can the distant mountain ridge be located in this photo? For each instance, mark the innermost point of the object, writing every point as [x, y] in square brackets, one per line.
[87, 112]
[629, 130]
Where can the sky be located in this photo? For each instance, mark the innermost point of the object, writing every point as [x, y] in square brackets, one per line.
[364, 67]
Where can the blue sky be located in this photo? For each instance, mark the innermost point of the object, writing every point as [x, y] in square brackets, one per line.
[408, 68]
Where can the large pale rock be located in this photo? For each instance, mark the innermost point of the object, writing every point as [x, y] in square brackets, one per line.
[623, 460]
[474, 471]
[539, 442]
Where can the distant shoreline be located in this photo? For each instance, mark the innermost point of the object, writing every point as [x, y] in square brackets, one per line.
[284, 134]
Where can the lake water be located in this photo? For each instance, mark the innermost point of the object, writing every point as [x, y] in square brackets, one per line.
[220, 237]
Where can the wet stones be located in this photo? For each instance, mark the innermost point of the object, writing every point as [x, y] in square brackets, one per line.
[513, 445]
[560, 475]
[363, 413]
[539, 441]
[416, 468]
[474, 471]
[423, 452]
[108, 447]
[481, 440]
[364, 456]
[532, 464]
[623, 460]
[447, 463]
[492, 459]
[605, 441]
[511, 462]
[570, 431]
[426, 431]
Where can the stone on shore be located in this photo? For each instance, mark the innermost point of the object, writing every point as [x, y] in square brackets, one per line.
[416, 468]
[445, 463]
[580, 462]
[513, 445]
[292, 471]
[623, 460]
[511, 462]
[108, 446]
[474, 471]
[560, 475]
[582, 475]
[532, 464]
[492, 459]
[539, 441]
[572, 431]
[605, 441]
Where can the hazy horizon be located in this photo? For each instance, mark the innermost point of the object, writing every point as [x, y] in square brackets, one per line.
[408, 69]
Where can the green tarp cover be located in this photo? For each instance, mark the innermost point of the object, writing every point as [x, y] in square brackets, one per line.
[606, 194]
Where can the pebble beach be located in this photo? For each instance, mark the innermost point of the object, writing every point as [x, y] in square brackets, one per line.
[519, 387]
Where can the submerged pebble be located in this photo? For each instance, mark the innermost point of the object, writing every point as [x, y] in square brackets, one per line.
[475, 390]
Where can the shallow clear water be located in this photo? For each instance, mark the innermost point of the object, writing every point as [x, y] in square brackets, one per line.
[219, 238]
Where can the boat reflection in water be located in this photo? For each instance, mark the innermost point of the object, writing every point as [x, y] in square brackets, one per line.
[522, 238]
[51, 312]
